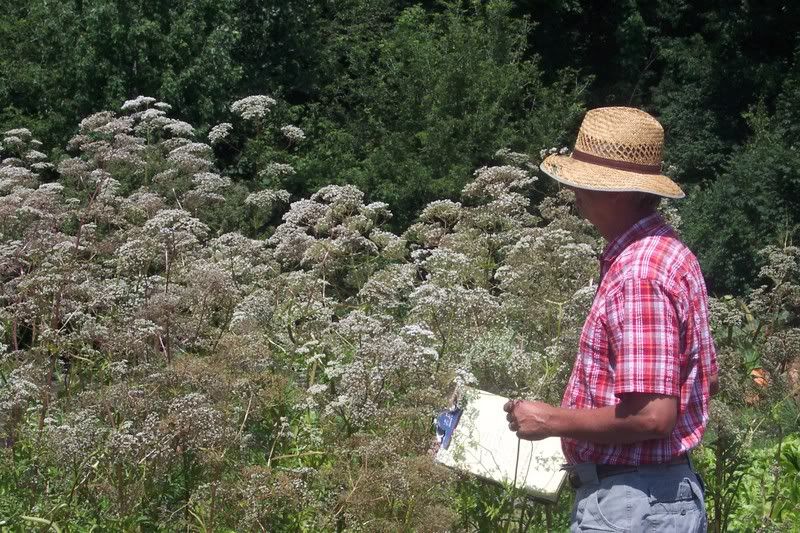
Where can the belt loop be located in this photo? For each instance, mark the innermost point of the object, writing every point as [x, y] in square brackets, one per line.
[587, 473]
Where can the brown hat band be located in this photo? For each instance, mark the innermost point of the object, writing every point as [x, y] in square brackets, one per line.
[613, 163]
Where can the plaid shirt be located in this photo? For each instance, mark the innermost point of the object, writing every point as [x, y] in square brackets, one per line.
[647, 332]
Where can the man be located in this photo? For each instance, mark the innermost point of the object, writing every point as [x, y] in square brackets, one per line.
[637, 399]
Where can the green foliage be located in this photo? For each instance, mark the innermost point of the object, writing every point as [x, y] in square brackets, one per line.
[756, 411]
[432, 99]
[62, 61]
[764, 486]
[491, 507]
[758, 197]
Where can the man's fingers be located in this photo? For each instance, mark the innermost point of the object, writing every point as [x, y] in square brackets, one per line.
[510, 417]
[529, 436]
[513, 426]
[509, 406]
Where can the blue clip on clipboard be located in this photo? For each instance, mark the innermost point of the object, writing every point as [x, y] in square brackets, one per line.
[446, 424]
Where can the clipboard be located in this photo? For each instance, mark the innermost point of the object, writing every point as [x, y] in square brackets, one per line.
[481, 444]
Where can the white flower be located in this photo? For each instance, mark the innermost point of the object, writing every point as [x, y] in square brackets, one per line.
[92, 122]
[219, 132]
[11, 177]
[209, 182]
[277, 170]
[293, 133]
[267, 199]
[376, 211]
[150, 114]
[511, 158]
[41, 166]
[22, 133]
[197, 149]
[188, 162]
[444, 212]
[179, 128]
[317, 388]
[253, 107]
[495, 181]
[116, 125]
[344, 198]
[137, 103]
[14, 141]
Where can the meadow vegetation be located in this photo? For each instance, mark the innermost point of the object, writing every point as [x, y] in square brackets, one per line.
[163, 369]
[236, 304]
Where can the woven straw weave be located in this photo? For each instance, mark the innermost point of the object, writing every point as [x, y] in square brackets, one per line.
[622, 134]
[619, 135]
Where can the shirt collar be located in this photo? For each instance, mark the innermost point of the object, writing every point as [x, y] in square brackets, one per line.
[646, 226]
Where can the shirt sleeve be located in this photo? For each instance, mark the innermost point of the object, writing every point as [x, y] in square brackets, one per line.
[645, 339]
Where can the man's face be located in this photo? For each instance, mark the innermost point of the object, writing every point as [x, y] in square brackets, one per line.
[594, 206]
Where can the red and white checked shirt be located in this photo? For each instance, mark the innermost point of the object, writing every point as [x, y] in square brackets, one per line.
[647, 332]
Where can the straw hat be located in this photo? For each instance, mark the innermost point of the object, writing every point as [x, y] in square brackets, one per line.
[617, 149]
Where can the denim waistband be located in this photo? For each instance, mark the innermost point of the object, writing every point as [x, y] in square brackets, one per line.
[591, 473]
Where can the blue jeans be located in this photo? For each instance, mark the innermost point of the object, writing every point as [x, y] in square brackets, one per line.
[654, 498]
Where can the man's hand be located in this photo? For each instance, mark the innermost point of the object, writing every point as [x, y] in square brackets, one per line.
[713, 384]
[529, 419]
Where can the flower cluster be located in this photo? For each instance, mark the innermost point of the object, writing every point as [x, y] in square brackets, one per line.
[293, 133]
[253, 107]
[267, 199]
[275, 171]
[219, 132]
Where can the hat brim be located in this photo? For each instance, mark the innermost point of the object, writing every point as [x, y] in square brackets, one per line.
[594, 177]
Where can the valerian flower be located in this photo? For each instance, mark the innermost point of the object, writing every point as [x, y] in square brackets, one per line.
[293, 133]
[219, 133]
[34, 155]
[11, 177]
[277, 170]
[179, 128]
[176, 228]
[137, 103]
[23, 134]
[512, 158]
[188, 162]
[253, 107]
[207, 188]
[496, 181]
[267, 199]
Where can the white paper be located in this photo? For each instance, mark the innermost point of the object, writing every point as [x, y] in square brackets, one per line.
[483, 445]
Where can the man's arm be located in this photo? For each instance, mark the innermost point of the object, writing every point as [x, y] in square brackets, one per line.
[636, 418]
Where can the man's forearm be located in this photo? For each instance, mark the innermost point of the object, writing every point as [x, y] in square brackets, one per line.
[635, 418]
[606, 425]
